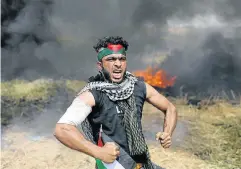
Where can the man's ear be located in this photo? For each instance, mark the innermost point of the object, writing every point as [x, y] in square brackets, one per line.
[99, 66]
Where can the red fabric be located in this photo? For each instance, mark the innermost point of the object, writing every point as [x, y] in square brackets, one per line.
[114, 47]
[100, 142]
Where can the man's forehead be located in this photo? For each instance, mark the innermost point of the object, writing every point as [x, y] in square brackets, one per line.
[116, 55]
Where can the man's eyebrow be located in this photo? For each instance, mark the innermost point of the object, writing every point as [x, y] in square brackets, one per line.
[116, 57]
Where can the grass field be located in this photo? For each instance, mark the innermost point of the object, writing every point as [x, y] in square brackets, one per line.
[213, 140]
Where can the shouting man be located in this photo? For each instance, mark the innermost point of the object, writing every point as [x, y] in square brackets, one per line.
[109, 109]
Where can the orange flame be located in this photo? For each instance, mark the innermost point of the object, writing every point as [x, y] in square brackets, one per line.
[157, 78]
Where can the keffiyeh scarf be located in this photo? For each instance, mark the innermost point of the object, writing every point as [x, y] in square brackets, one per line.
[123, 94]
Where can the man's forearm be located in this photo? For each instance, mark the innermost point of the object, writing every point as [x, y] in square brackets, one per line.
[170, 120]
[72, 138]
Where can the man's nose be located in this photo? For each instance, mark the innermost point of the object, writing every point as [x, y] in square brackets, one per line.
[117, 63]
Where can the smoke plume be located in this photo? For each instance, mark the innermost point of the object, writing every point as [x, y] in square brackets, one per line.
[54, 38]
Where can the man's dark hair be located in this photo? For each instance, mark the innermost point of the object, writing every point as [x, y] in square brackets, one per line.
[102, 43]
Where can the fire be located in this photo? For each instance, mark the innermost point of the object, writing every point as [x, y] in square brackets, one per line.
[157, 78]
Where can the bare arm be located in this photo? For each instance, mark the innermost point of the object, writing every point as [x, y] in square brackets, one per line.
[161, 103]
[68, 134]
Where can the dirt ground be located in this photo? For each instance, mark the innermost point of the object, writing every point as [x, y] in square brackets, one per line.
[47, 153]
[22, 149]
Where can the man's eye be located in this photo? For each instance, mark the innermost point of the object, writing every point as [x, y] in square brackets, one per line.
[111, 59]
[122, 58]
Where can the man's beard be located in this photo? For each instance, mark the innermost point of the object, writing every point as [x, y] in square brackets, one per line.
[106, 75]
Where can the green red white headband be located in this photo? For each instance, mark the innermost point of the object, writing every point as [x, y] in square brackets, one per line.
[111, 49]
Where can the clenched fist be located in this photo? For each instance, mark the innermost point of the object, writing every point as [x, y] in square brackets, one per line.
[164, 138]
[109, 152]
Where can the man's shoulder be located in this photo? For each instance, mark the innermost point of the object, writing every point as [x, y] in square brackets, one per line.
[98, 96]
[87, 97]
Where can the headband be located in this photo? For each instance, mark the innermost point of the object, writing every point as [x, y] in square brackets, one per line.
[111, 49]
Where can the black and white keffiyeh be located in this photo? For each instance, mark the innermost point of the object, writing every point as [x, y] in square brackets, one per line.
[123, 94]
[114, 91]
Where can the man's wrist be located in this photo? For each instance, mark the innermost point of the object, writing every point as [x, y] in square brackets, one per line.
[91, 149]
[97, 153]
[167, 131]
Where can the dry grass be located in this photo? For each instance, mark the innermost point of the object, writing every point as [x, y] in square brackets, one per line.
[74, 85]
[214, 140]
[215, 133]
[38, 89]
[21, 89]
[20, 97]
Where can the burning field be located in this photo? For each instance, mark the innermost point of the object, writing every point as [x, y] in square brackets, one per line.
[188, 50]
[155, 77]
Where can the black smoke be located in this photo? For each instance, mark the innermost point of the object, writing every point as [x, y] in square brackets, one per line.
[54, 38]
[210, 69]
[25, 28]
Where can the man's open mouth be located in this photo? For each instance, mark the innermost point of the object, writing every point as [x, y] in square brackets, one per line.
[117, 74]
